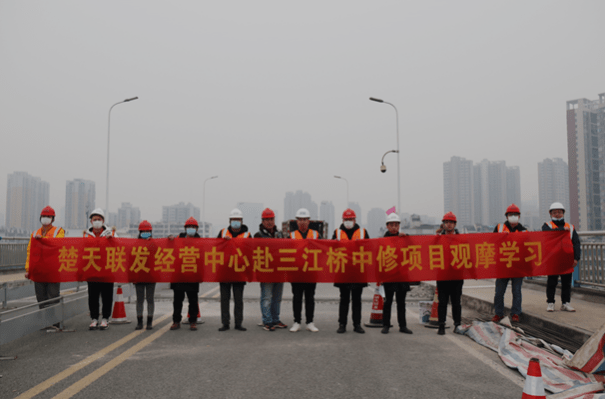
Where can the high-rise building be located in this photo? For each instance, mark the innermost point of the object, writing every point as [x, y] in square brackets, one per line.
[252, 215]
[179, 213]
[127, 215]
[327, 214]
[79, 203]
[355, 206]
[553, 184]
[513, 185]
[585, 145]
[26, 195]
[297, 200]
[458, 189]
[377, 219]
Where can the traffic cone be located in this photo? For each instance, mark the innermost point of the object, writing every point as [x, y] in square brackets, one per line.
[434, 319]
[118, 315]
[376, 315]
[534, 386]
[199, 316]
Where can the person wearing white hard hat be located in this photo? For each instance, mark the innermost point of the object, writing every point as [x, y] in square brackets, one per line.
[557, 222]
[399, 290]
[235, 230]
[96, 289]
[303, 232]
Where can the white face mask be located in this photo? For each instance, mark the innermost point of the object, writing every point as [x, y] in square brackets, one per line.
[97, 224]
[513, 219]
[46, 221]
[556, 219]
[348, 224]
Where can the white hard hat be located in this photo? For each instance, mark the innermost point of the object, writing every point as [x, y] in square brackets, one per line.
[393, 217]
[99, 212]
[236, 214]
[556, 205]
[303, 213]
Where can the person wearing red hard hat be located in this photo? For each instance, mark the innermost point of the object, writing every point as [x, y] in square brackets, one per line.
[557, 222]
[145, 289]
[45, 291]
[270, 293]
[350, 292]
[512, 225]
[449, 289]
[189, 289]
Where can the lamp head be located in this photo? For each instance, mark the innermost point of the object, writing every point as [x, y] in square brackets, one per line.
[383, 168]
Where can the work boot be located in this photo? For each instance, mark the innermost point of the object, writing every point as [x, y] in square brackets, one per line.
[342, 329]
[175, 326]
[149, 323]
[225, 327]
[139, 323]
[385, 330]
[357, 328]
[193, 326]
[239, 327]
[405, 330]
[441, 330]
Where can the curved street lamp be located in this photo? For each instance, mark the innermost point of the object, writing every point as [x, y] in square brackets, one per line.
[108, 130]
[383, 167]
[339, 177]
[204, 205]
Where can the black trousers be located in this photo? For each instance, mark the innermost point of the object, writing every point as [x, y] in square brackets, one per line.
[238, 299]
[308, 289]
[105, 291]
[450, 290]
[177, 306]
[348, 293]
[400, 290]
[551, 287]
[45, 291]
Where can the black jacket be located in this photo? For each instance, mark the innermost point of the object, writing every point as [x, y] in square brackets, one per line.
[405, 286]
[349, 233]
[264, 233]
[195, 287]
[575, 239]
[519, 227]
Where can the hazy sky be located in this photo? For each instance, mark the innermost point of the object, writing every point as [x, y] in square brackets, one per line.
[272, 96]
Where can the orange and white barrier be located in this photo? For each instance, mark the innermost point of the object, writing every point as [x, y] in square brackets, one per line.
[534, 386]
[377, 306]
[118, 315]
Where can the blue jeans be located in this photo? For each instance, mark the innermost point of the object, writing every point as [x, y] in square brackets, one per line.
[270, 301]
[501, 284]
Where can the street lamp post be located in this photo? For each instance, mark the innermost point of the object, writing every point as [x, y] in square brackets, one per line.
[399, 210]
[204, 205]
[339, 177]
[108, 131]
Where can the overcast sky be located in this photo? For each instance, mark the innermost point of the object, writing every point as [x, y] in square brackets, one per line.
[272, 96]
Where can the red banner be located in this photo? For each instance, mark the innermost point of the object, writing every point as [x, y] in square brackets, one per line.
[393, 259]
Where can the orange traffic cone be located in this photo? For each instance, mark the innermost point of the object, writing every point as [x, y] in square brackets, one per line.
[376, 315]
[119, 311]
[199, 316]
[534, 386]
[434, 319]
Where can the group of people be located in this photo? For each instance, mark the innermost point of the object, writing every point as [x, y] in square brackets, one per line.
[271, 293]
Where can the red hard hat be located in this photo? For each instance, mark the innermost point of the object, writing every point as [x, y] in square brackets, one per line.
[191, 222]
[512, 209]
[47, 211]
[449, 217]
[145, 226]
[349, 214]
[268, 214]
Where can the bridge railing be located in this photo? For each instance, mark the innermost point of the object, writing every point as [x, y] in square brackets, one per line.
[13, 253]
[590, 271]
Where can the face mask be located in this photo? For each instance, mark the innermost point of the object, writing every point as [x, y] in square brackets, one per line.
[97, 224]
[349, 224]
[190, 231]
[46, 221]
[146, 234]
[513, 219]
[236, 224]
[556, 219]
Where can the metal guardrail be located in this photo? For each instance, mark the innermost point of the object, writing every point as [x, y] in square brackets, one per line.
[21, 289]
[590, 267]
[13, 254]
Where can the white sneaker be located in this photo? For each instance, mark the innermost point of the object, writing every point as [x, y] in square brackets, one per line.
[567, 307]
[550, 307]
[103, 325]
[295, 327]
[94, 325]
[311, 327]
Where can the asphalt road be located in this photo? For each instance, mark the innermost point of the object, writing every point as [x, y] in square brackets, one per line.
[122, 363]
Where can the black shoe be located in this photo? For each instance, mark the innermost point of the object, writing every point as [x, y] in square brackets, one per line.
[405, 330]
[175, 326]
[240, 328]
[269, 327]
[225, 327]
[149, 323]
[358, 329]
[441, 330]
[342, 329]
[139, 323]
[385, 330]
